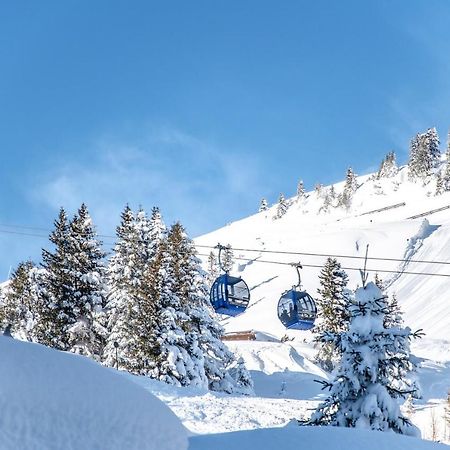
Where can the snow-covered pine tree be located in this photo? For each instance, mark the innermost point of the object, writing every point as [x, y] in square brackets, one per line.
[157, 226]
[345, 199]
[263, 206]
[87, 277]
[351, 183]
[138, 238]
[300, 190]
[72, 290]
[22, 302]
[332, 192]
[327, 201]
[214, 364]
[212, 269]
[415, 163]
[122, 279]
[371, 375]
[157, 344]
[282, 207]
[185, 275]
[388, 167]
[379, 282]
[393, 316]
[408, 406]
[56, 314]
[447, 411]
[432, 144]
[243, 383]
[445, 175]
[318, 188]
[2, 305]
[439, 184]
[424, 154]
[227, 258]
[350, 186]
[333, 315]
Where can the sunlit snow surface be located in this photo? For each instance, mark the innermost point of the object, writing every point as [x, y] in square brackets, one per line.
[284, 373]
[390, 234]
[293, 437]
[51, 400]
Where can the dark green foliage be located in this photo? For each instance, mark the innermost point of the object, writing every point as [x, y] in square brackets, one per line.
[333, 313]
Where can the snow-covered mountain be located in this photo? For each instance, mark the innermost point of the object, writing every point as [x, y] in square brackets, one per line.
[401, 221]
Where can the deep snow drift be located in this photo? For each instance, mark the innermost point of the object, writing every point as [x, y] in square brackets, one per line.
[294, 437]
[51, 400]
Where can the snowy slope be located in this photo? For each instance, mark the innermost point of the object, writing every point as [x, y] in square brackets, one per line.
[293, 437]
[50, 400]
[390, 234]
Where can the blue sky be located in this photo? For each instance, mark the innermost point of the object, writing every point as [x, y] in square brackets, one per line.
[204, 107]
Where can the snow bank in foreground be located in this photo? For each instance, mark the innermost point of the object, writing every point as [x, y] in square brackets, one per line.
[52, 400]
[294, 437]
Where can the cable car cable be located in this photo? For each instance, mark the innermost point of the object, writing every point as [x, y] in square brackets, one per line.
[317, 266]
[323, 255]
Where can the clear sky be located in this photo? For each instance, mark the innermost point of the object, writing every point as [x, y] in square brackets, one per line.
[204, 107]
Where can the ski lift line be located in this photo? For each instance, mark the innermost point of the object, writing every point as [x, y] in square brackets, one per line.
[324, 255]
[20, 233]
[47, 230]
[42, 236]
[317, 266]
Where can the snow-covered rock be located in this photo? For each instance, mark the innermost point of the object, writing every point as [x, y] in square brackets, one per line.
[51, 400]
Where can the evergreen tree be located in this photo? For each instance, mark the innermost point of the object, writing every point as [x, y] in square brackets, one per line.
[328, 197]
[393, 316]
[333, 313]
[350, 186]
[379, 282]
[213, 270]
[318, 189]
[424, 154]
[345, 199]
[371, 375]
[87, 275]
[21, 305]
[439, 184]
[122, 279]
[2, 305]
[447, 410]
[157, 227]
[263, 206]
[243, 383]
[332, 192]
[282, 207]
[388, 167]
[444, 178]
[408, 406]
[157, 344]
[300, 190]
[432, 144]
[227, 258]
[213, 363]
[138, 240]
[73, 287]
[187, 285]
[351, 183]
[57, 309]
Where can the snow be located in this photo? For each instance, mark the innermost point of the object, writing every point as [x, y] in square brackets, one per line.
[284, 373]
[294, 437]
[52, 400]
[390, 234]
